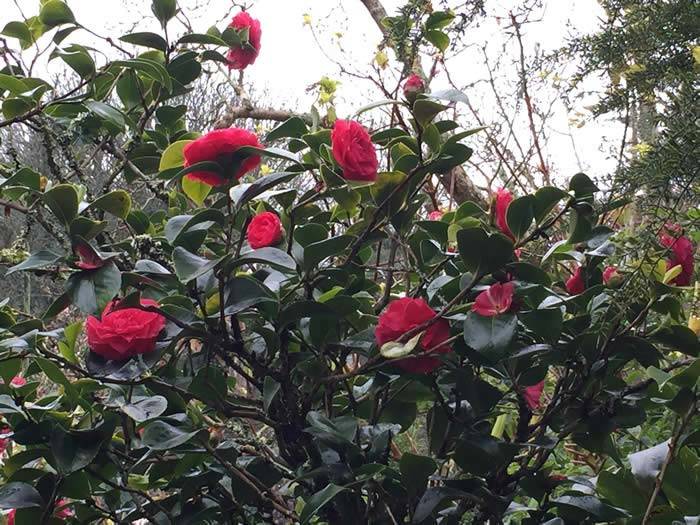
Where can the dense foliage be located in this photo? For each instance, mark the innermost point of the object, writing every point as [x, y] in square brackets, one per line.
[238, 350]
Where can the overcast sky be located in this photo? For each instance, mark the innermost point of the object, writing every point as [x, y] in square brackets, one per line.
[291, 59]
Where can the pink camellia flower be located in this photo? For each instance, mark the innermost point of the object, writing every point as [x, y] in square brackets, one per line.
[121, 334]
[497, 299]
[243, 56]
[18, 381]
[502, 201]
[353, 151]
[533, 395]
[220, 146]
[435, 215]
[405, 314]
[611, 275]
[575, 284]
[264, 230]
[413, 86]
[682, 253]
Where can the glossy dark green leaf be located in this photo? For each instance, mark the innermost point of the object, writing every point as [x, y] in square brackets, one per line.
[490, 336]
[415, 471]
[92, 290]
[520, 215]
[160, 435]
[259, 186]
[292, 127]
[316, 252]
[189, 266]
[18, 495]
[145, 408]
[62, 200]
[164, 10]
[41, 259]
[318, 500]
[54, 13]
[546, 198]
[117, 203]
[426, 110]
[272, 256]
[151, 40]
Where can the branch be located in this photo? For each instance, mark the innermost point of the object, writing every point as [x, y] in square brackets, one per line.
[242, 112]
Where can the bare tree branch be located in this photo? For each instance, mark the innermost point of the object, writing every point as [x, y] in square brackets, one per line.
[243, 112]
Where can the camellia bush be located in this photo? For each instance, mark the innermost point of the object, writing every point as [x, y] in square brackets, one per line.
[242, 350]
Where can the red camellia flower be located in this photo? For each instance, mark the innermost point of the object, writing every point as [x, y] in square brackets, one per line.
[682, 253]
[435, 215]
[494, 301]
[413, 86]
[533, 395]
[503, 200]
[4, 442]
[122, 334]
[243, 56]
[353, 151]
[401, 316]
[610, 274]
[220, 146]
[264, 230]
[575, 284]
[18, 381]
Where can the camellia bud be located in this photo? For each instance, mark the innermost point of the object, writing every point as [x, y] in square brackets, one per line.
[611, 277]
[413, 87]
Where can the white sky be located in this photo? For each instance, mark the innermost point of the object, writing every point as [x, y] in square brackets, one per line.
[291, 60]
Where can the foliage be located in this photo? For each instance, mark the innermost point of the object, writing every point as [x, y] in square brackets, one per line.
[266, 398]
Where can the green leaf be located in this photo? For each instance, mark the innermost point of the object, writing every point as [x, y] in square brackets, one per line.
[145, 408]
[20, 31]
[439, 20]
[438, 39]
[62, 200]
[172, 156]
[546, 199]
[520, 215]
[270, 389]
[151, 40]
[78, 58]
[386, 183]
[415, 471]
[164, 10]
[189, 266]
[590, 505]
[264, 183]
[582, 186]
[318, 500]
[112, 117]
[74, 451]
[151, 68]
[294, 127]
[37, 260]
[18, 495]
[490, 336]
[12, 84]
[117, 203]
[159, 435]
[482, 252]
[196, 190]
[54, 13]
[316, 252]
[92, 290]
[426, 110]
[202, 38]
[269, 255]
[14, 107]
